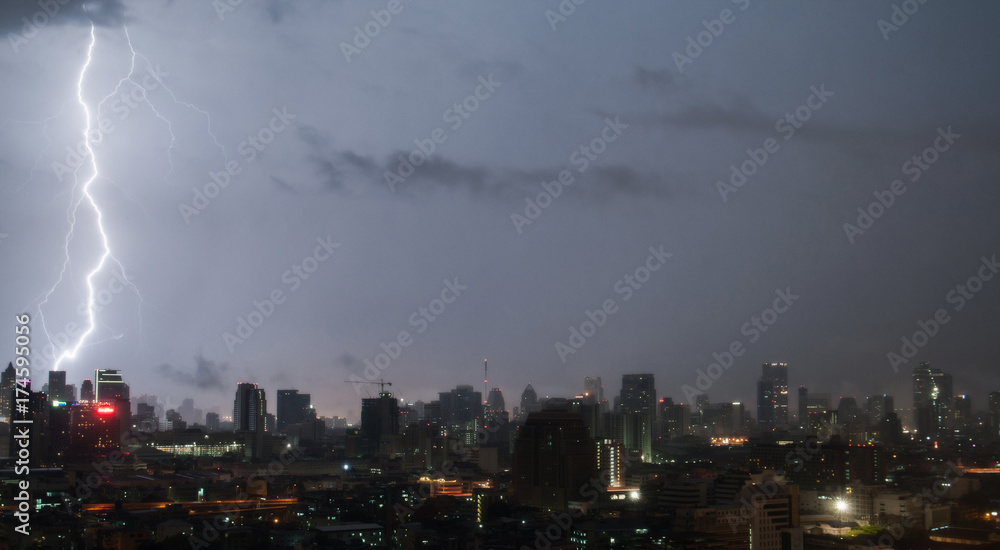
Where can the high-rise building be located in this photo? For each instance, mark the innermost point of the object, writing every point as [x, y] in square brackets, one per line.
[638, 394]
[212, 422]
[962, 411]
[877, 406]
[58, 390]
[87, 390]
[93, 430]
[111, 388]
[110, 385]
[249, 408]
[250, 418]
[772, 396]
[993, 417]
[7, 391]
[529, 401]
[461, 407]
[803, 403]
[638, 409]
[496, 411]
[379, 420]
[554, 459]
[675, 419]
[594, 389]
[292, 407]
[932, 400]
[847, 410]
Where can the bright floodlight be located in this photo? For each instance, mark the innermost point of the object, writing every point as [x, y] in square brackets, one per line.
[634, 495]
[841, 506]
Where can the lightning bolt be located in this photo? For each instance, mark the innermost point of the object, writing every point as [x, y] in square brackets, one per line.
[85, 196]
[82, 196]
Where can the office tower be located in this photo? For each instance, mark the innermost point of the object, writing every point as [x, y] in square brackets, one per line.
[877, 406]
[593, 388]
[529, 401]
[847, 410]
[803, 410]
[7, 391]
[379, 420]
[292, 407]
[145, 417]
[461, 407]
[675, 419]
[638, 394]
[993, 417]
[250, 418]
[212, 422]
[942, 403]
[772, 396]
[58, 390]
[496, 412]
[638, 409]
[249, 408]
[87, 390]
[554, 459]
[932, 399]
[93, 430]
[962, 412]
[110, 385]
[111, 388]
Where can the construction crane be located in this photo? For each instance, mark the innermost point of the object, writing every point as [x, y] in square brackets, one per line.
[381, 384]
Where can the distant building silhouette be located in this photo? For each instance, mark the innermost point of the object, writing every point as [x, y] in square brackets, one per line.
[554, 458]
[292, 408]
[638, 409]
[772, 396]
[379, 421]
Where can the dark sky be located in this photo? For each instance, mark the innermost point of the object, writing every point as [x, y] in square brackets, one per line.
[309, 117]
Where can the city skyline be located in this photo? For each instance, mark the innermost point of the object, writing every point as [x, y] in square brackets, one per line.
[297, 404]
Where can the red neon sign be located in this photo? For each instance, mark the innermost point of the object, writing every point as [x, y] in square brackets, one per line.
[105, 410]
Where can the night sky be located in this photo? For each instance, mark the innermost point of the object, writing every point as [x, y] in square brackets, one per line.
[705, 158]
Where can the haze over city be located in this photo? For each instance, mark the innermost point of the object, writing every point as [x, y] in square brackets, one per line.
[284, 197]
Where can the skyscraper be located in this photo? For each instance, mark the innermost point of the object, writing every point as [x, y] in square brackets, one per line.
[249, 408]
[993, 417]
[496, 411]
[58, 390]
[878, 406]
[594, 389]
[111, 388]
[554, 459]
[87, 390]
[250, 417]
[110, 385]
[379, 419]
[932, 399]
[7, 391]
[638, 409]
[772, 396]
[292, 407]
[461, 407]
[529, 401]
[803, 406]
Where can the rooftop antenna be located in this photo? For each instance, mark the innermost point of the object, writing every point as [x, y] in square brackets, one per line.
[486, 377]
